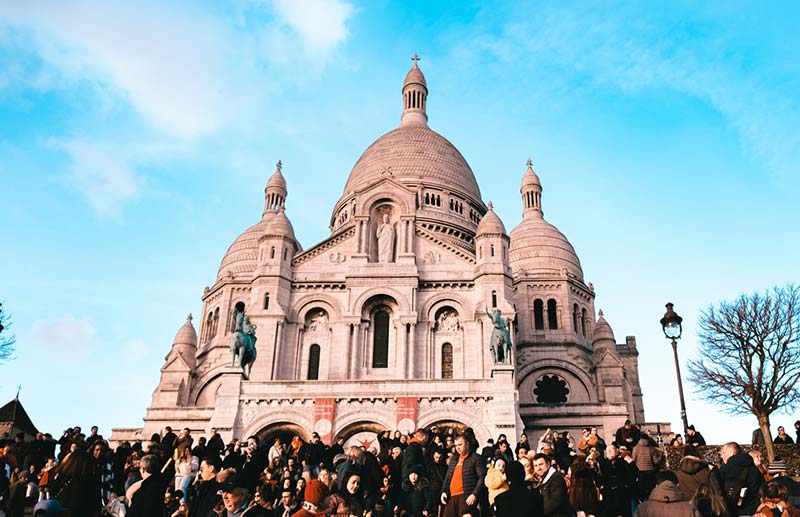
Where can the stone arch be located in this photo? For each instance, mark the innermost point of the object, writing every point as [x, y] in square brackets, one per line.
[403, 306]
[378, 413]
[358, 427]
[461, 304]
[574, 376]
[303, 305]
[397, 195]
[283, 430]
[205, 390]
[298, 418]
[201, 383]
[464, 416]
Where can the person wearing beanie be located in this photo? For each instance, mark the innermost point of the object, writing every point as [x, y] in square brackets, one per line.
[315, 493]
[415, 495]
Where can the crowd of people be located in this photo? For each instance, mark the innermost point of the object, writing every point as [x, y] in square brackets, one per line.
[436, 472]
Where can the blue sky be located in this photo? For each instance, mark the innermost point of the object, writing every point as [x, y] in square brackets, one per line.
[136, 139]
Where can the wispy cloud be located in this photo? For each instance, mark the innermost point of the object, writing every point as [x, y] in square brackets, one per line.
[183, 72]
[634, 49]
[63, 336]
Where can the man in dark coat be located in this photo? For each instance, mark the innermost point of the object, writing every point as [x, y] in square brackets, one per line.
[437, 470]
[206, 491]
[518, 501]
[552, 487]
[215, 444]
[627, 435]
[148, 499]
[414, 455]
[741, 480]
[463, 482]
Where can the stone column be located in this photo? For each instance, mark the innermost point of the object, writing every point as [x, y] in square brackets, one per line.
[226, 409]
[412, 346]
[504, 406]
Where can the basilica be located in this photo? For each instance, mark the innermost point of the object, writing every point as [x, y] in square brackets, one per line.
[419, 309]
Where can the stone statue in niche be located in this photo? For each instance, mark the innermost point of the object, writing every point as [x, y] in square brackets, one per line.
[448, 322]
[318, 322]
[500, 340]
[385, 235]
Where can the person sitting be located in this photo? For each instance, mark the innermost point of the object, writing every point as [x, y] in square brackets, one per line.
[666, 499]
[782, 438]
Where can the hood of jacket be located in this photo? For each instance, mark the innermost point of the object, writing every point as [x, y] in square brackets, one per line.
[692, 465]
[740, 460]
[667, 492]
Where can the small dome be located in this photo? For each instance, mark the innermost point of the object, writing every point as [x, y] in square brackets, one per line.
[186, 334]
[277, 181]
[538, 247]
[490, 224]
[530, 178]
[414, 76]
[602, 330]
[279, 225]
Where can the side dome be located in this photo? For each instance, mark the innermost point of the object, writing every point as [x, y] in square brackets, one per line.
[242, 255]
[414, 155]
[279, 226]
[602, 330]
[538, 247]
[490, 224]
[186, 335]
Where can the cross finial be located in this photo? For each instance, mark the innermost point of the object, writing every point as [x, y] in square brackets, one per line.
[600, 313]
[279, 165]
[490, 205]
[530, 163]
[189, 317]
[415, 58]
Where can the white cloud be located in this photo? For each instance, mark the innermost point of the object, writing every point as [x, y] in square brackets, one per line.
[65, 335]
[321, 24]
[103, 173]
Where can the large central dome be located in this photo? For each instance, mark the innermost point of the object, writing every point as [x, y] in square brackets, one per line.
[413, 154]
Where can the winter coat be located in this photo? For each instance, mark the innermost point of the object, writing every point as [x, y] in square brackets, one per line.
[343, 505]
[472, 473]
[496, 482]
[740, 470]
[519, 502]
[414, 499]
[692, 472]
[666, 500]
[643, 455]
[555, 497]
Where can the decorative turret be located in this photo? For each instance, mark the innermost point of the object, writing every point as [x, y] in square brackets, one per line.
[415, 96]
[173, 390]
[185, 343]
[531, 193]
[603, 335]
[275, 192]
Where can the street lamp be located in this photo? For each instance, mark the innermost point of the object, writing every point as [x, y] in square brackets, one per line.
[671, 324]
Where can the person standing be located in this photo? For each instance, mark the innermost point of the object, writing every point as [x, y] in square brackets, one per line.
[643, 457]
[741, 480]
[518, 501]
[553, 487]
[464, 480]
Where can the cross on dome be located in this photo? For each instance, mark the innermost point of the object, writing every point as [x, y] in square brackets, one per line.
[415, 58]
[279, 165]
[530, 163]
[189, 317]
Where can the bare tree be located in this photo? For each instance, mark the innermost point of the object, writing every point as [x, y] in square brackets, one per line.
[7, 339]
[750, 355]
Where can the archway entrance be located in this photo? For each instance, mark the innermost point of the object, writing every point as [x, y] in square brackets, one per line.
[283, 430]
[362, 434]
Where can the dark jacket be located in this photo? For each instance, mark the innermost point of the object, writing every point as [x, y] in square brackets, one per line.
[206, 498]
[436, 475]
[618, 486]
[519, 502]
[413, 456]
[666, 500]
[149, 499]
[415, 498]
[555, 497]
[473, 471]
[740, 471]
[692, 472]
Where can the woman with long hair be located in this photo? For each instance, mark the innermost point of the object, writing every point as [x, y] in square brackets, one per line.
[76, 484]
[185, 470]
[708, 501]
[349, 501]
[583, 493]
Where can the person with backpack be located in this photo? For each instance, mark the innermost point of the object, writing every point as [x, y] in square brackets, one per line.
[740, 480]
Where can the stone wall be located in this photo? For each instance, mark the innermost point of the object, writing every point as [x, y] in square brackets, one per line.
[788, 453]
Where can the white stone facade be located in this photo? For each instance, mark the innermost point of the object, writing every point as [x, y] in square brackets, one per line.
[359, 333]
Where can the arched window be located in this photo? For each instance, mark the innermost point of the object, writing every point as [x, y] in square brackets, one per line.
[447, 361]
[313, 363]
[575, 316]
[551, 389]
[272, 253]
[583, 322]
[538, 314]
[266, 302]
[216, 322]
[494, 299]
[491, 250]
[552, 314]
[380, 341]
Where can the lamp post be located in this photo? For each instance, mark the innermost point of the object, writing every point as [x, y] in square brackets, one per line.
[671, 324]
